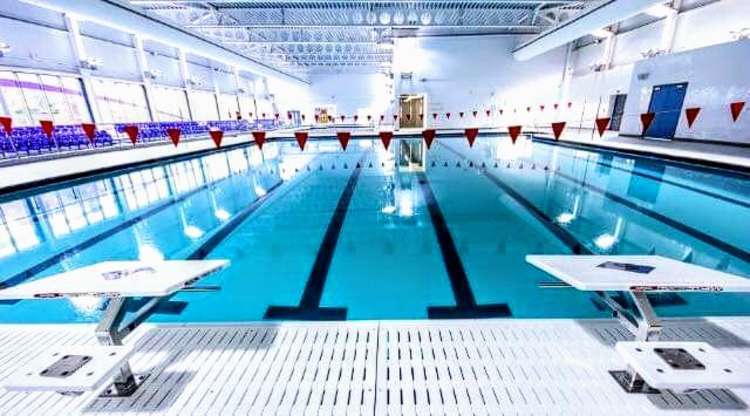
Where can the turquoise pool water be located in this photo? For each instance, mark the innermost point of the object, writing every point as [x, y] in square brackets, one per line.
[367, 234]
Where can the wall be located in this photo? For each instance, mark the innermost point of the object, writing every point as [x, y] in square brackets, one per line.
[716, 75]
[590, 91]
[352, 93]
[476, 73]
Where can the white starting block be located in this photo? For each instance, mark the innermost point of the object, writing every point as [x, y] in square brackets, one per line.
[75, 369]
[637, 276]
[677, 366]
[86, 367]
[652, 365]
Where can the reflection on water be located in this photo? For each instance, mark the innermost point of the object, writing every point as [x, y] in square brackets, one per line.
[499, 202]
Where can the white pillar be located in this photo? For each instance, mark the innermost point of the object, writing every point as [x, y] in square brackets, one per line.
[79, 53]
[140, 57]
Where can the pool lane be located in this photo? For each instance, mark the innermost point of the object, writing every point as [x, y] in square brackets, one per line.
[162, 235]
[274, 250]
[309, 308]
[388, 264]
[596, 214]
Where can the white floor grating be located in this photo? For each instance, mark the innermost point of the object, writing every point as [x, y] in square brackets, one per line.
[392, 367]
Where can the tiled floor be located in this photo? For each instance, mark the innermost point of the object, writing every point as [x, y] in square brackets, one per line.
[486, 367]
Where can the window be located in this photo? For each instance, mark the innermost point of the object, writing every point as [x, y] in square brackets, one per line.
[203, 104]
[228, 107]
[120, 102]
[170, 104]
[31, 97]
[14, 101]
[247, 106]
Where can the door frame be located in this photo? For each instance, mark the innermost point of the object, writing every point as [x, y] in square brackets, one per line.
[651, 103]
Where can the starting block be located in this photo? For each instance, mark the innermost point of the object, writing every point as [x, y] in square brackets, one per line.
[70, 369]
[677, 366]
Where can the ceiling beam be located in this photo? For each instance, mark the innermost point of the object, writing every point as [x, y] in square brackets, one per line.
[120, 16]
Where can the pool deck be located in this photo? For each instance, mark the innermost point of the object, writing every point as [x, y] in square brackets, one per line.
[486, 367]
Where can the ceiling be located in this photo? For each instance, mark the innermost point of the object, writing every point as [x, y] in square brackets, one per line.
[305, 37]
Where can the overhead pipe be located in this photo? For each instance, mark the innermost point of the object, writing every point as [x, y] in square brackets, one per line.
[121, 16]
[608, 13]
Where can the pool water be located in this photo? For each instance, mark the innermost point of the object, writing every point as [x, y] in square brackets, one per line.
[357, 234]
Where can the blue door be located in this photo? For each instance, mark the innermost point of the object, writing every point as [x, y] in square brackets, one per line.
[666, 104]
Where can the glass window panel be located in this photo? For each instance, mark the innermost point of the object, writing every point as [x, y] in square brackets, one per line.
[58, 105]
[73, 90]
[170, 104]
[35, 99]
[203, 104]
[120, 102]
[228, 107]
[13, 98]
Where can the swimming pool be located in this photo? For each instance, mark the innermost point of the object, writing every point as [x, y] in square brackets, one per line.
[367, 234]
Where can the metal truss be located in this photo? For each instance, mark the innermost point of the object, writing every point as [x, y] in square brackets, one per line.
[307, 36]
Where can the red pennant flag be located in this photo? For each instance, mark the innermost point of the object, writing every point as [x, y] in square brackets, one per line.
[289, 115]
[250, 114]
[344, 137]
[356, 117]
[421, 116]
[474, 113]
[691, 114]
[471, 135]
[317, 118]
[556, 106]
[395, 117]
[90, 130]
[303, 117]
[343, 117]
[174, 135]
[541, 107]
[132, 132]
[557, 129]
[736, 108]
[385, 137]
[501, 112]
[601, 125]
[7, 124]
[434, 116]
[429, 136]
[47, 127]
[488, 112]
[260, 137]
[263, 115]
[382, 117]
[448, 115]
[514, 132]
[276, 116]
[408, 117]
[461, 114]
[528, 109]
[216, 136]
[301, 137]
[570, 104]
[369, 118]
[646, 120]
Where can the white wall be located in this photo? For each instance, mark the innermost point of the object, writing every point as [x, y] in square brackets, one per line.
[716, 75]
[351, 93]
[704, 26]
[477, 73]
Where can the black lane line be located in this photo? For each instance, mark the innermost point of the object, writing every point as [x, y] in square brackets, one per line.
[695, 233]
[168, 306]
[466, 304]
[561, 233]
[71, 251]
[309, 308]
